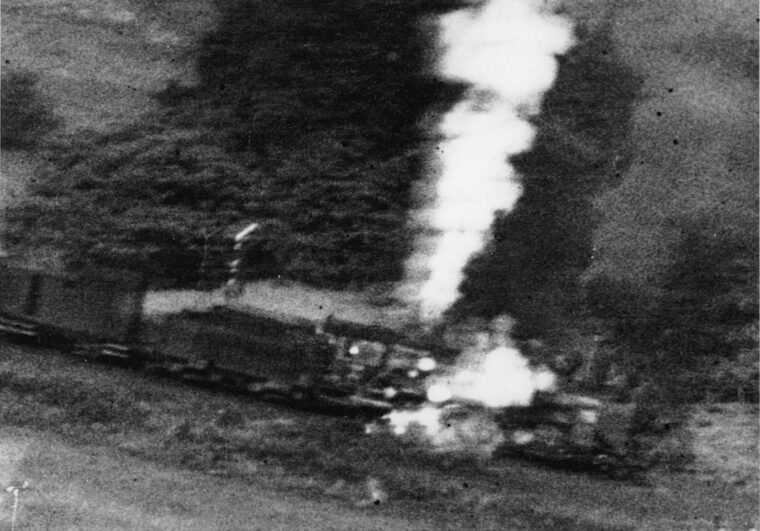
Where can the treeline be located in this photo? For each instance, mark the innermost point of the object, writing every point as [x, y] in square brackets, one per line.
[696, 337]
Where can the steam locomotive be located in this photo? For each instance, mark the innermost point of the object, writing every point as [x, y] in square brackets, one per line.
[556, 427]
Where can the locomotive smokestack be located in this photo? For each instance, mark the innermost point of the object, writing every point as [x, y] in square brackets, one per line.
[234, 285]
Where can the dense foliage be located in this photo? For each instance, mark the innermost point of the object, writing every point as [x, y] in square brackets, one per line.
[697, 338]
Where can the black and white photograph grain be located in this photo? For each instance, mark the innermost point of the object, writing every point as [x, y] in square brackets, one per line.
[391, 265]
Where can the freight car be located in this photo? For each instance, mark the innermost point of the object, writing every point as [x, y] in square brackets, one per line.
[98, 313]
[92, 307]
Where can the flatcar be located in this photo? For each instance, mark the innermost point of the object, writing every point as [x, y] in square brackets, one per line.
[93, 306]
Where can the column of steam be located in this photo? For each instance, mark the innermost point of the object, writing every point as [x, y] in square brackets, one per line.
[505, 50]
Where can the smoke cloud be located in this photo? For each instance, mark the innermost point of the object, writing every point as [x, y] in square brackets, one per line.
[476, 433]
[505, 50]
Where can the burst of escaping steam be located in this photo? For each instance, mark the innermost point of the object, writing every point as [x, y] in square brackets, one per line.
[497, 378]
[427, 417]
[545, 380]
[438, 393]
[502, 378]
[506, 51]
[476, 433]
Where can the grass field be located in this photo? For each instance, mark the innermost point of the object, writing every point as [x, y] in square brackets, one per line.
[726, 444]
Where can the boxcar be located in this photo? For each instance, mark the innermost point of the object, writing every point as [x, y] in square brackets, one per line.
[18, 288]
[91, 305]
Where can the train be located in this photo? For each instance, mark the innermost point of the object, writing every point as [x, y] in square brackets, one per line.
[331, 362]
[98, 313]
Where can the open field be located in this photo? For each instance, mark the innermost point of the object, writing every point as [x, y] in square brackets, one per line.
[67, 419]
[726, 444]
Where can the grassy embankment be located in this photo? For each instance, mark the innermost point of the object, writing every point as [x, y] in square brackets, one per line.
[285, 449]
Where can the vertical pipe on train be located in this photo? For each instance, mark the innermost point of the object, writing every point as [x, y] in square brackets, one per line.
[234, 287]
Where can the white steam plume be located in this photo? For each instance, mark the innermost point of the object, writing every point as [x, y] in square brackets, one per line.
[505, 49]
[498, 378]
